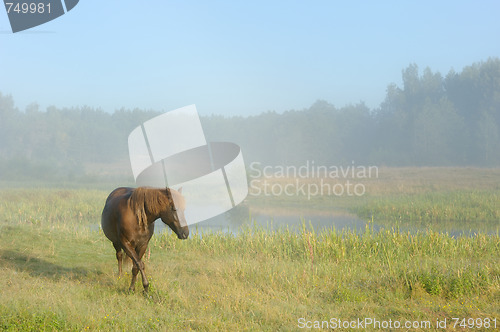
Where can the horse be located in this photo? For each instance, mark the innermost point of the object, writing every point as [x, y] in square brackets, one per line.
[128, 222]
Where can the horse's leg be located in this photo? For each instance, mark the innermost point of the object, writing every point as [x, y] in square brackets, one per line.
[119, 257]
[145, 282]
[138, 264]
[135, 270]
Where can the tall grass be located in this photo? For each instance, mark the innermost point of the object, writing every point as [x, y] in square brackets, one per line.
[55, 279]
[59, 272]
[463, 198]
[458, 206]
[52, 207]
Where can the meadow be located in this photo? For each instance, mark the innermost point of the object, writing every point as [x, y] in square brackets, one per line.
[59, 272]
[436, 198]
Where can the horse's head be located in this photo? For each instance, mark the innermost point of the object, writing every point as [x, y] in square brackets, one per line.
[173, 216]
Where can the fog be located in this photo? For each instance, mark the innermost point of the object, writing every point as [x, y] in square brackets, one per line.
[432, 119]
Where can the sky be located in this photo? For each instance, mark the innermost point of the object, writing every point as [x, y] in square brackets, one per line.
[238, 57]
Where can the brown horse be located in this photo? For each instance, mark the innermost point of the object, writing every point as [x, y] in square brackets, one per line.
[128, 221]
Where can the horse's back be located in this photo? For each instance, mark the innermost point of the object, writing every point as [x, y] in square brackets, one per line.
[119, 193]
[111, 211]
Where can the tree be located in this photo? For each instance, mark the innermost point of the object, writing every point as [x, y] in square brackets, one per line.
[488, 139]
[437, 134]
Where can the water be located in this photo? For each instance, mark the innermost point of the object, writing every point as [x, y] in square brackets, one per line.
[295, 219]
[231, 223]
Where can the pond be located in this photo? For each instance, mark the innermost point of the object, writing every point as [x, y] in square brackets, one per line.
[237, 219]
[295, 219]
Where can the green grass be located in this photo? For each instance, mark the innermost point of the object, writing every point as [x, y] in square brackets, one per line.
[60, 273]
[458, 206]
[460, 199]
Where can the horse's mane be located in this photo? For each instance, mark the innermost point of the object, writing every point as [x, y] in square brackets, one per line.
[144, 200]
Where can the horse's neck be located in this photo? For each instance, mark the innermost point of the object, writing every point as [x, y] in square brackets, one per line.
[151, 218]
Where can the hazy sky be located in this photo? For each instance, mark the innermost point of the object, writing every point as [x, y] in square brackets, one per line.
[238, 57]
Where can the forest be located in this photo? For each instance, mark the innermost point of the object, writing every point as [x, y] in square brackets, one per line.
[431, 120]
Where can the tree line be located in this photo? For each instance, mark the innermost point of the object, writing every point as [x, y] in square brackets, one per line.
[431, 120]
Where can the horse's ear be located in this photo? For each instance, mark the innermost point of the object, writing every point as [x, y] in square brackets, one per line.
[180, 190]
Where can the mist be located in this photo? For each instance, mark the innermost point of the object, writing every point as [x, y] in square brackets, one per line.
[431, 120]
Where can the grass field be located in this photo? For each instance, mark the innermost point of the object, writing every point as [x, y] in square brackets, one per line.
[60, 272]
[416, 198]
